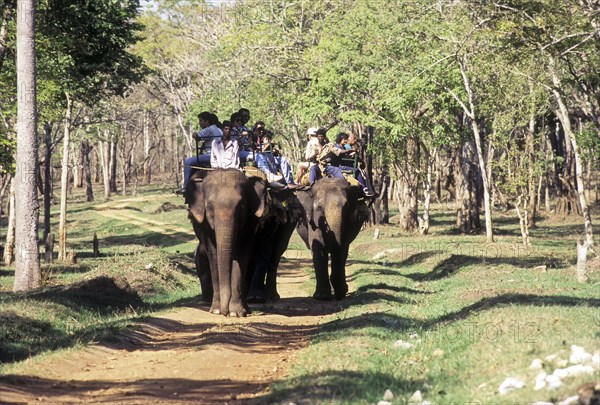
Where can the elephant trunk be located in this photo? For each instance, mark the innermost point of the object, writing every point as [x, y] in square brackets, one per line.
[224, 237]
[334, 214]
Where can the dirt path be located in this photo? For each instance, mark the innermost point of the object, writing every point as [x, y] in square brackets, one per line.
[186, 355]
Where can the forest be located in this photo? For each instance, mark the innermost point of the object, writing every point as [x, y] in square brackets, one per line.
[483, 105]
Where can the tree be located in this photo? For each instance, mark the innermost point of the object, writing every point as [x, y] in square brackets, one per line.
[27, 272]
[96, 65]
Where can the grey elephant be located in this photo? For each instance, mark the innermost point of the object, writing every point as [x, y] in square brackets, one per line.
[271, 241]
[335, 212]
[225, 207]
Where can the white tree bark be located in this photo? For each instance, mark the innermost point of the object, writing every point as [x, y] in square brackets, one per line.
[103, 155]
[64, 183]
[563, 116]
[27, 208]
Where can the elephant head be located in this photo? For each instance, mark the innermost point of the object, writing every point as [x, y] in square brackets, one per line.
[335, 212]
[224, 207]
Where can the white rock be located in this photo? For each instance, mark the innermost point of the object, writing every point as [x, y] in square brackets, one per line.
[553, 382]
[388, 395]
[561, 363]
[579, 369]
[416, 397]
[414, 336]
[579, 355]
[596, 360]
[540, 381]
[550, 358]
[536, 364]
[384, 403]
[401, 344]
[541, 403]
[425, 403]
[561, 373]
[149, 266]
[510, 384]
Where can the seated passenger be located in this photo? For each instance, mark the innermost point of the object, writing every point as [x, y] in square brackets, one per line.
[224, 152]
[349, 142]
[209, 123]
[321, 154]
[313, 141]
[270, 162]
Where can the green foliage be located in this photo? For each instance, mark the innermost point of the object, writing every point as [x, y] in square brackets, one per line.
[87, 49]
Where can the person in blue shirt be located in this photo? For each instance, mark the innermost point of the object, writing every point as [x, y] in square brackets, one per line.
[270, 161]
[210, 131]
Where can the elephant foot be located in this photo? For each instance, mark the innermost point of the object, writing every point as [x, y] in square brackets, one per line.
[340, 293]
[256, 296]
[273, 296]
[323, 296]
[237, 311]
[216, 311]
[256, 299]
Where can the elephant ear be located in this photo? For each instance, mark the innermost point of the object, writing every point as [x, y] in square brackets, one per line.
[195, 192]
[261, 194]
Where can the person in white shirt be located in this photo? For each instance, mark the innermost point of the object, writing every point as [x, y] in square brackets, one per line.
[225, 151]
[313, 141]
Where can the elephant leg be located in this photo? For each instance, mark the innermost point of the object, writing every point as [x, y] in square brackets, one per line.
[320, 262]
[203, 271]
[236, 305]
[338, 272]
[211, 252]
[261, 263]
[281, 241]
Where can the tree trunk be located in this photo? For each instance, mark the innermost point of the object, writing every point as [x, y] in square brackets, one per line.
[9, 249]
[470, 111]
[64, 183]
[76, 160]
[87, 169]
[48, 184]
[27, 211]
[467, 215]
[6, 178]
[523, 220]
[581, 269]
[104, 158]
[563, 116]
[113, 164]
[531, 180]
[408, 183]
[381, 205]
[427, 185]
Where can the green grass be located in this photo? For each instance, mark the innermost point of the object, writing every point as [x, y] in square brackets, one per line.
[476, 314]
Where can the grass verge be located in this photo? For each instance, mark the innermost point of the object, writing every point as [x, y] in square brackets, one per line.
[453, 317]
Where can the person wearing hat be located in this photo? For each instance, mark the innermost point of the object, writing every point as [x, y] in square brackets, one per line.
[310, 153]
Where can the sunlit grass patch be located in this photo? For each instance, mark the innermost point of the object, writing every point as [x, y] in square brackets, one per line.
[451, 316]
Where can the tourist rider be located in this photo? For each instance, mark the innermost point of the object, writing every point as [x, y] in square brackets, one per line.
[224, 152]
[270, 161]
[209, 123]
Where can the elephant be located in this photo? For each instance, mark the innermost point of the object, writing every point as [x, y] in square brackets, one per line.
[271, 241]
[335, 212]
[225, 207]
